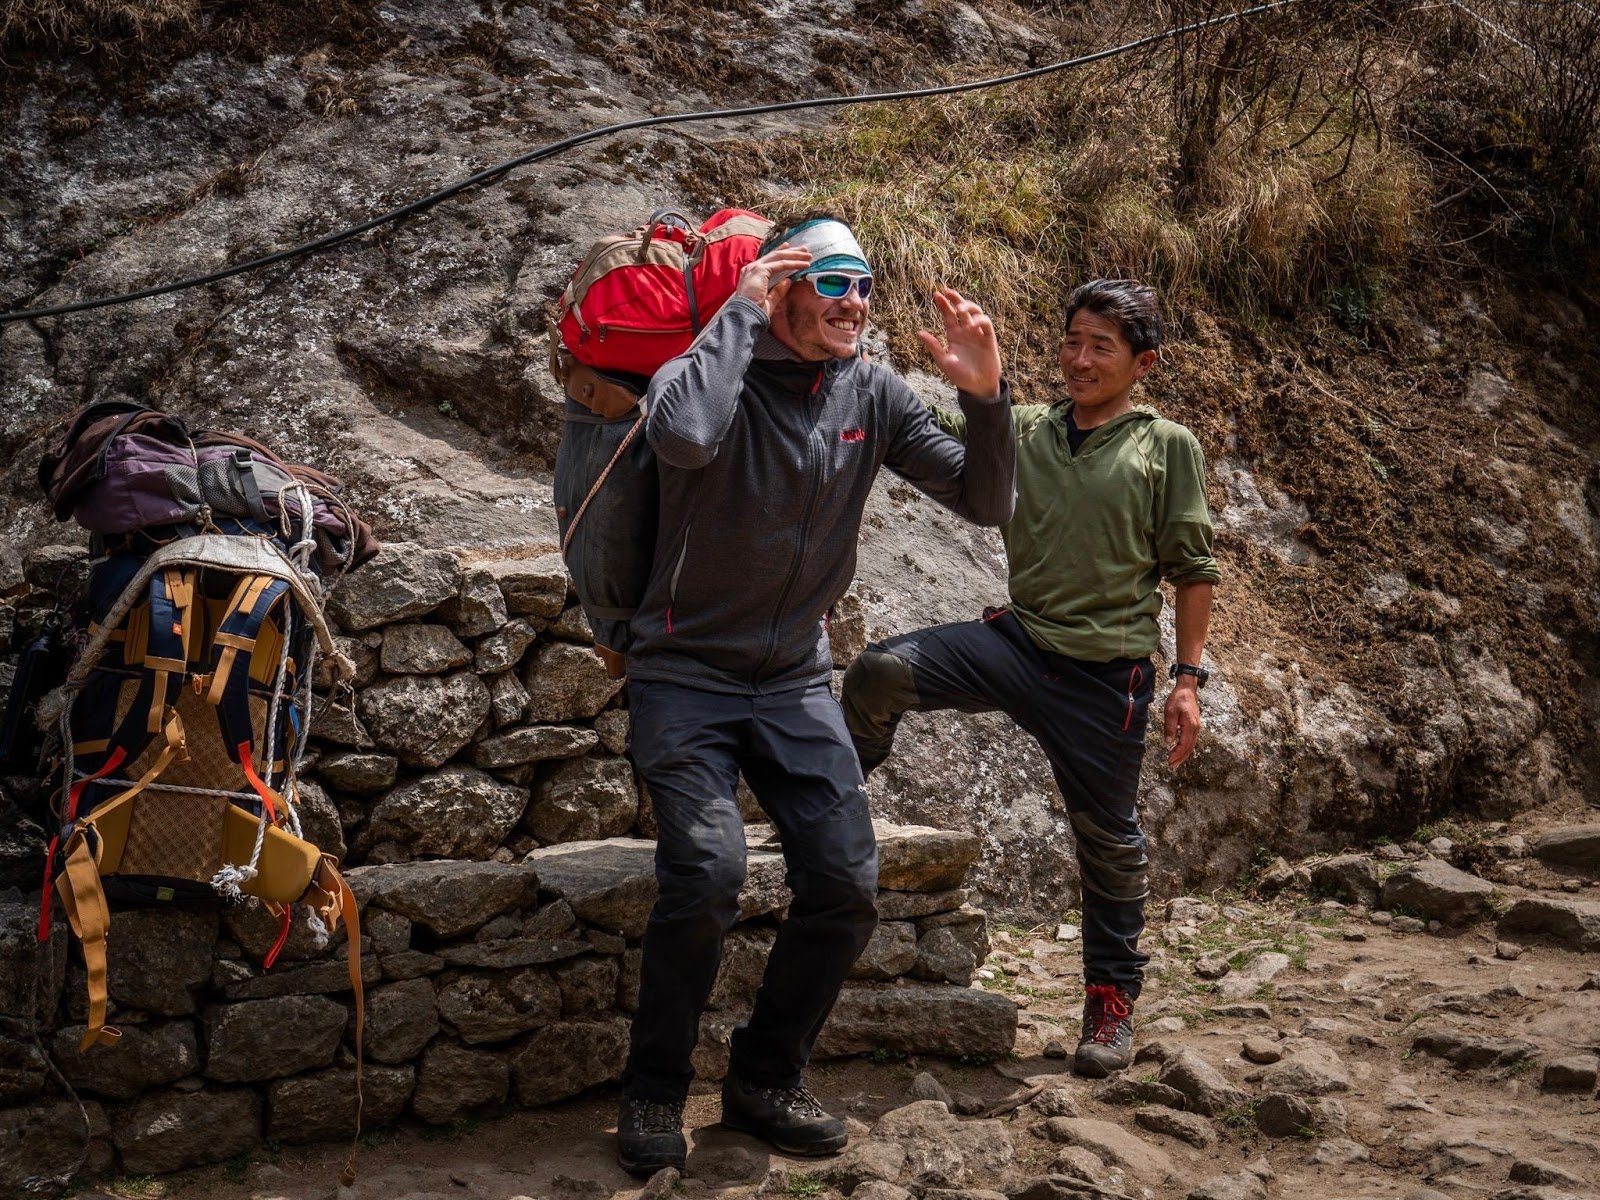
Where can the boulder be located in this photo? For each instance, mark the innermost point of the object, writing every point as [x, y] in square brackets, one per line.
[22, 841]
[403, 580]
[1570, 846]
[33, 973]
[421, 650]
[612, 726]
[567, 1058]
[891, 952]
[170, 1130]
[567, 683]
[951, 945]
[1574, 924]
[1352, 877]
[744, 960]
[496, 1006]
[363, 660]
[1311, 1070]
[865, 1165]
[1125, 1089]
[502, 954]
[588, 987]
[362, 774]
[401, 1019]
[1247, 980]
[337, 722]
[449, 898]
[766, 888]
[267, 1039]
[22, 1070]
[1242, 1186]
[927, 1019]
[1186, 1127]
[256, 931]
[1205, 1089]
[906, 906]
[1280, 1114]
[1436, 891]
[145, 1057]
[1112, 1143]
[917, 858]
[943, 1151]
[536, 587]
[322, 1107]
[245, 982]
[926, 1086]
[424, 720]
[411, 964]
[1470, 1052]
[1340, 1152]
[47, 1138]
[1573, 1074]
[479, 607]
[535, 743]
[573, 626]
[458, 812]
[1261, 1050]
[610, 884]
[453, 1081]
[507, 700]
[1539, 1173]
[503, 649]
[319, 818]
[156, 961]
[583, 799]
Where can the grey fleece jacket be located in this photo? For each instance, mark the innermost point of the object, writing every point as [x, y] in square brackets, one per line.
[766, 463]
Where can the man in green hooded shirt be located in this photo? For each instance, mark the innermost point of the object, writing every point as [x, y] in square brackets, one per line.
[1110, 501]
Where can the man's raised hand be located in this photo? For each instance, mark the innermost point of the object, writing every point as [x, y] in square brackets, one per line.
[969, 356]
[756, 279]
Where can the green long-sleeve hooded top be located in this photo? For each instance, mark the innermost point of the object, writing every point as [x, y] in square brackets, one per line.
[1095, 532]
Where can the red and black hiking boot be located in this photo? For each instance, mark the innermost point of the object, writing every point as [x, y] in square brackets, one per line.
[1107, 1041]
[650, 1136]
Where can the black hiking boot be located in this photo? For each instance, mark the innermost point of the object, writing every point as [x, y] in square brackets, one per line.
[1107, 1041]
[791, 1119]
[650, 1136]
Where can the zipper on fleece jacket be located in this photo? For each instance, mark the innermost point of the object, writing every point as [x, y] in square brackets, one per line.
[677, 573]
[813, 447]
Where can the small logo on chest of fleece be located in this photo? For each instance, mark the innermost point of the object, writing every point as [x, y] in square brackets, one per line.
[853, 435]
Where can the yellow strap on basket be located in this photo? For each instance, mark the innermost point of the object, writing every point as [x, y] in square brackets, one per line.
[78, 885]
[85, 903]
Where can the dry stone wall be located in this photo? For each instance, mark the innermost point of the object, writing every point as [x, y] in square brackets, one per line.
[472, 772]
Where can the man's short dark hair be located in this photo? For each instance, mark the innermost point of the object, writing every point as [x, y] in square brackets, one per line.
[1128, 302]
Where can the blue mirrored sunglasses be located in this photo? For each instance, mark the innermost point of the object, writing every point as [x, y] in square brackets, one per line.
[836, 284]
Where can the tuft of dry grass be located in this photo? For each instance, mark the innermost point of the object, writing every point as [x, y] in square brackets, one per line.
[94, 24]
[1016, 195]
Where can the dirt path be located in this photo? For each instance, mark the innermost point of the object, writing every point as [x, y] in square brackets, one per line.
[1344, 1001]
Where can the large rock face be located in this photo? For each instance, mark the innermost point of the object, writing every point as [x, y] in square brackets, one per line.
[412, 365]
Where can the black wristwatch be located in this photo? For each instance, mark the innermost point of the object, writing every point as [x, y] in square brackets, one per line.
[1200, 673]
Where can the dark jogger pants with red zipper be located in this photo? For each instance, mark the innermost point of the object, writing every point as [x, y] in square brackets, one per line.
[1088, 717]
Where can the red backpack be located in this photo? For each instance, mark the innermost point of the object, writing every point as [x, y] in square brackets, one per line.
[639, 299]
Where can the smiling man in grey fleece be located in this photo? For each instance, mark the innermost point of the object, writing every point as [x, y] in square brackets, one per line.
[769, 432]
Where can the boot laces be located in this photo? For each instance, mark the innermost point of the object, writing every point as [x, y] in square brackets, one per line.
[799, 1099]
[1108, 1008]
[655, 1116]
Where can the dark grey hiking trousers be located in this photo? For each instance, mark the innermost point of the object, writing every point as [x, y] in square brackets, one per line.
[691, 745]
[1088, 717]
